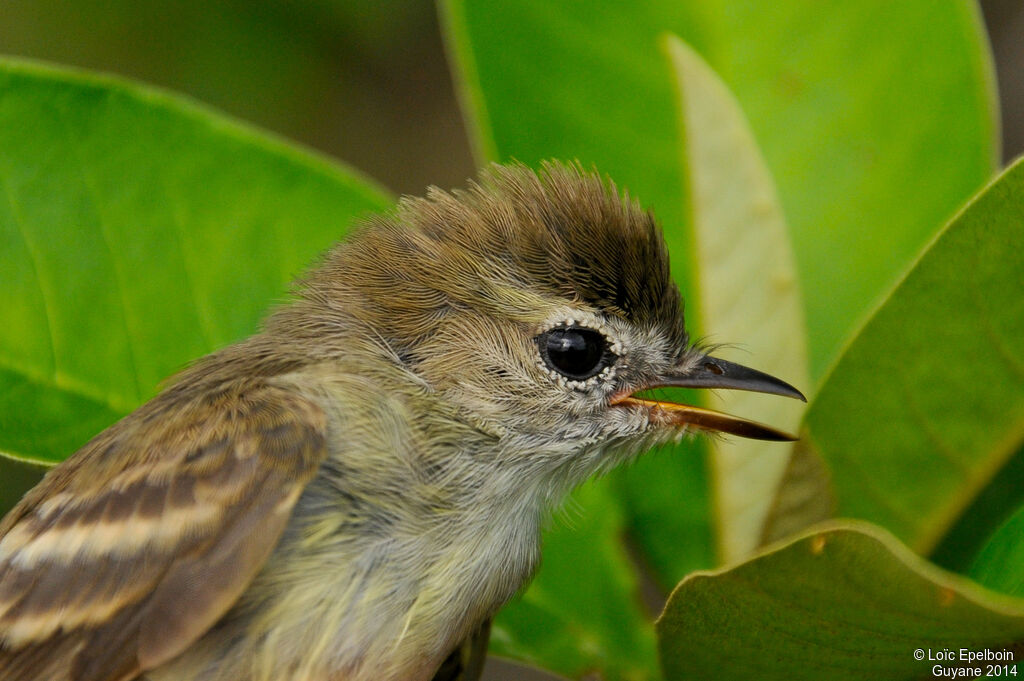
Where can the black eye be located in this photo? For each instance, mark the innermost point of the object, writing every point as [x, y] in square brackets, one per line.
[575, 352]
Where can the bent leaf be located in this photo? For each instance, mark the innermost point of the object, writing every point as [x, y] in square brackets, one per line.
[747, 289]
[845, 602]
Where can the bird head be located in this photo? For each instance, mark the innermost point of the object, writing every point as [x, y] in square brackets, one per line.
[541, 307]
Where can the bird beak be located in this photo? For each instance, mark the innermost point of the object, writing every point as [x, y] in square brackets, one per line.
[711, 372]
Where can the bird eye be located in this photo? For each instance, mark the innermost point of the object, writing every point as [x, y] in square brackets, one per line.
[575, 352]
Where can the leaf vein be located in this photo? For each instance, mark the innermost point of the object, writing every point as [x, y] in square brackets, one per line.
[94, 194]
[34, 262]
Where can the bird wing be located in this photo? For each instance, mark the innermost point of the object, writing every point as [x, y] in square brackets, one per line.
[132, 549]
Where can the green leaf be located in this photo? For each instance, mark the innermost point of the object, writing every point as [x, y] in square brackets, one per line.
[1000, 564]
[844, 602]
[138, 232]
[583, 612]
[747, 288]
[877, 119]
[926, 406]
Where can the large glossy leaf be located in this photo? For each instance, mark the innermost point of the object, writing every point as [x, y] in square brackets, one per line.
[747, 288]
[926, 406]
[137, 232]
[845, 602]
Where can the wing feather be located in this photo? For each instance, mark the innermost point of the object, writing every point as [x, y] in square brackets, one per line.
[132, 549]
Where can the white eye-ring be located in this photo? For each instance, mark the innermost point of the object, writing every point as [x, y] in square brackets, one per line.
[577, 355]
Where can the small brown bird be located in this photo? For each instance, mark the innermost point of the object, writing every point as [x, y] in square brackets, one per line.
[353, 492]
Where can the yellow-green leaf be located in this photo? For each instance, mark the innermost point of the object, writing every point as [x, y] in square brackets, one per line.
[747, 291]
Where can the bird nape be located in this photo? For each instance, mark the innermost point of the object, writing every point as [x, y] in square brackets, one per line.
[353, 492]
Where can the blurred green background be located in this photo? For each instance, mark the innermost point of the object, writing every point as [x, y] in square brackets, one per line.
[365, 81]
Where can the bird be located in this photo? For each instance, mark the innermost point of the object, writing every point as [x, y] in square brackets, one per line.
[354, 491]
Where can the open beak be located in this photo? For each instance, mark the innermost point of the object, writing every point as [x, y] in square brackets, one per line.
[712, 372]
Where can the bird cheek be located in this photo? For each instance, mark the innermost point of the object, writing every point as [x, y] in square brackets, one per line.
[626, 422]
